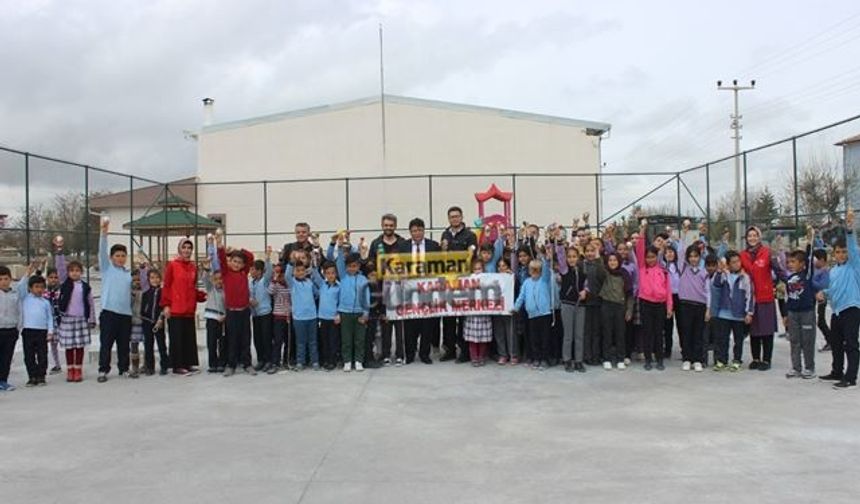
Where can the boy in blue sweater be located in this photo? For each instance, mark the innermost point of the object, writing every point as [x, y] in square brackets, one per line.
[732, 304]
[261, 310]
[843, 292]
[536, 295]
[10, 315]
[303, 293]
[115, 318]
[37, 323]
[797, 273]
[353, 307]
[329, 292]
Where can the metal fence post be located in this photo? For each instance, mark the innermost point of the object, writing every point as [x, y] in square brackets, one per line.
[678, 194]
[796, 191]
[746, 195]
[708, 197]
[196, 224]
[514, 190]
[266, 213]
[596, 202]
[131, 221]
[346, 207]
[87, 220]
[27, 205]
[430, 199]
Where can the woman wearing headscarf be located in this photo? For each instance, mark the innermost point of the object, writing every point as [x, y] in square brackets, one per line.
[179, 300]
[759, 265]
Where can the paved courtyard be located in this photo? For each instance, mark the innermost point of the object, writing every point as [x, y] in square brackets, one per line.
[440, 433]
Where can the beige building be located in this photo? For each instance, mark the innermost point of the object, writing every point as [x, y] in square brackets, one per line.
[437, 154]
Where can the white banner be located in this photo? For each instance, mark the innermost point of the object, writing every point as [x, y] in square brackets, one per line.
[482, 294]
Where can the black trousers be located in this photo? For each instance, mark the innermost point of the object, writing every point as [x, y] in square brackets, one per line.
[592, 349]
[614, 331]
[691, 329]
[556, 337]
[263, 338]
[35, 351]
[150, 339]
[844, 330]
[761, 348]
[540, 332]
[427, 330]
[115, 328]
[183, 342]
[238, 336]
[669, 329]
[373, 324]
[822, 321]
[396, 328]
[280, 336]
[215, 343]
[653, 317]
[8, 339]
[452, 334]
[329, 342]
[724, 328]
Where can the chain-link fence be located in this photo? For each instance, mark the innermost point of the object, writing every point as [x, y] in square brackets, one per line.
[780, 187]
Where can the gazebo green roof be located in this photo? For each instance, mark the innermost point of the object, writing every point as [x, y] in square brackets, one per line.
[173, 219]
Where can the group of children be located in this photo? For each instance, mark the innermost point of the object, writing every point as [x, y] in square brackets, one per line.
[580, 301]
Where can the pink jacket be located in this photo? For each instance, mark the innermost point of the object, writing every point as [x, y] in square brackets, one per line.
[654, 280]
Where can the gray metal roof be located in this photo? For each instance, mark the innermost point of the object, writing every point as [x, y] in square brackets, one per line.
[591, 127]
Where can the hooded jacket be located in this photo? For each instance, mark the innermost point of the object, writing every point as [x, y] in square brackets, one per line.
[179, 289]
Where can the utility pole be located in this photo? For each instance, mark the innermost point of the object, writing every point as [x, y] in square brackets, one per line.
[736, 128]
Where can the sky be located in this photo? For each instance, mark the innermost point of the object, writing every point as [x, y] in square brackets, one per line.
[114, 83]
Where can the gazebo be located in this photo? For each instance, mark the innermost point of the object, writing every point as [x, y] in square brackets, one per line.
[172, 218]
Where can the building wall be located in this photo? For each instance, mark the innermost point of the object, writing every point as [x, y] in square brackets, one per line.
[420, 140]
[851, 166]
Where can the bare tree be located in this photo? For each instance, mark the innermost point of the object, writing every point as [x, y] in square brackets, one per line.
[820, 189]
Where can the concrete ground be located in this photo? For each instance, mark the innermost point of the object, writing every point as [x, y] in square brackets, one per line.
[440, 433]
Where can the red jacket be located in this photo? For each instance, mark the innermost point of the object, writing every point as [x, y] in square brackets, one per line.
[237, 295]
[759, 269]
[179, 291]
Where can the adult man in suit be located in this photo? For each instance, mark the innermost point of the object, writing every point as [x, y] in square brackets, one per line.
[427, 328]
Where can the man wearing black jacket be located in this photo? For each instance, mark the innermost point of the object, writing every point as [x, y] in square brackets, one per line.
[388, 242]
[457, 237]
[427, 328]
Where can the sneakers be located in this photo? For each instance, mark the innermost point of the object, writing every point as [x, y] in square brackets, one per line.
[502, 361]
[272, 369]
[647, 366]
[764, 366]
[697, 367]
[627, 361]
[40, 381]
[6, 387]
[359, 367]
[719, 366]
[515, 361]
[398, 362]
[102, 378]
[347, 367]
[607, 365]
[229, 371]
[250, 370]
[660, 366]
[578, 366]
[568, 366]
[754, 365]
[736, 366]
[621, 365]
[32, 382]
[56, 370]
[843, 385]
[807, 374]
[686, 366]
[315, 366]
[386, 361]
[793, 374]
